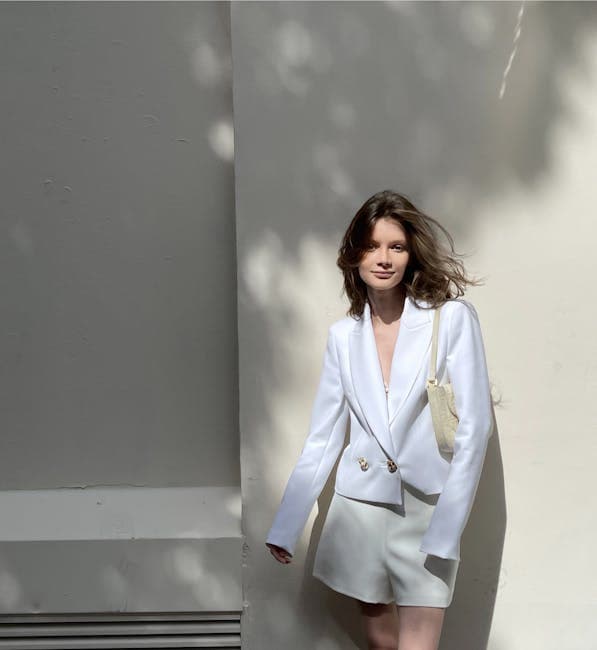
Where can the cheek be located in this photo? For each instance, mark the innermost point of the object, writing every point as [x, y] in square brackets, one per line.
[363, 263]
[402, 265]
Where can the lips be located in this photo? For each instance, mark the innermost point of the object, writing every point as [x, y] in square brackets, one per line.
[382, 274]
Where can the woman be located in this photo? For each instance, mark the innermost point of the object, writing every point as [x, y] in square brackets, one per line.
[391, 538]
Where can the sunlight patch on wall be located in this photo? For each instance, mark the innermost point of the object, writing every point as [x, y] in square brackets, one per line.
[221, 139]
[299, 296]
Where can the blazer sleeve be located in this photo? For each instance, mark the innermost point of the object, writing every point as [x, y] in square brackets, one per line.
[467, 370]
[321, 449]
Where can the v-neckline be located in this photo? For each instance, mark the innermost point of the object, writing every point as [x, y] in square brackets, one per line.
[393, 356]
[391, 397]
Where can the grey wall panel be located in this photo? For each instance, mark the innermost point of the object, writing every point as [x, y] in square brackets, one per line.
[148, 575]
[118, 354]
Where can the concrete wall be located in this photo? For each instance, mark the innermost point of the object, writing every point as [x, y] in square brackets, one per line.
[334, 101]
[118, 247]
[118, 346]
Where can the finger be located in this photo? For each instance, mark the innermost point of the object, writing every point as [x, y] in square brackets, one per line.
[280, 554]
[277, 551]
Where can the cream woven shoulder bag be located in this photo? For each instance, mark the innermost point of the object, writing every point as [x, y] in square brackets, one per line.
[441, 399]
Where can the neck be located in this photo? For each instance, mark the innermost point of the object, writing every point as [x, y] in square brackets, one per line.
[386, 306]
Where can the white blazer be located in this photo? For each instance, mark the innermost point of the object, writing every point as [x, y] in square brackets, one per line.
[351, 388]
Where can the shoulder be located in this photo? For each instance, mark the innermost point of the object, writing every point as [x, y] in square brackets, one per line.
[341, 328]
[459, 309]
[462, 318]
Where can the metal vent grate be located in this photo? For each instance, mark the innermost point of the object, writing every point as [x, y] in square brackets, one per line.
[117, 632]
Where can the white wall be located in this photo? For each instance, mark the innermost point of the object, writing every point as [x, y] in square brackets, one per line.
[334, 101]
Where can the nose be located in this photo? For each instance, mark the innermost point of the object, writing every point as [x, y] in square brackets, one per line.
[382, 256]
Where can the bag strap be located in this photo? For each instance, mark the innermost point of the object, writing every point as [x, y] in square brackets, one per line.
[433, 362]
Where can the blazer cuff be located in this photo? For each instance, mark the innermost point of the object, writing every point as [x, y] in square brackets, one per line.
[441, 550]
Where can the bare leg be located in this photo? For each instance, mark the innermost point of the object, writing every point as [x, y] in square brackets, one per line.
[420, 627]
[381, 625]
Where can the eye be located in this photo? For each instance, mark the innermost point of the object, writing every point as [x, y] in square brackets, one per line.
[398, 247]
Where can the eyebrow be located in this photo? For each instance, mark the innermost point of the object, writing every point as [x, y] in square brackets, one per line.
[396, 241]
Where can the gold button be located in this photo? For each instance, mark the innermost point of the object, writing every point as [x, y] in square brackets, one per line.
[392, 466]
[363, 463]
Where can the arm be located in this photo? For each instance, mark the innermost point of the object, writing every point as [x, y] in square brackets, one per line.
[327, 430]
[467, 371]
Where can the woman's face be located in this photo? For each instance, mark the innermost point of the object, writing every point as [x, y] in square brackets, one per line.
[384, 262]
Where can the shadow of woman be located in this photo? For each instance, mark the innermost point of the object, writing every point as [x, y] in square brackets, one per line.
[467, 624]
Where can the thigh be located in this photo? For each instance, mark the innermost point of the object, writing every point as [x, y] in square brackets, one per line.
[380, 621]
[420, 627]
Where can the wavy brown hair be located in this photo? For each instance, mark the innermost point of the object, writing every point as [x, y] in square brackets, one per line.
[434, 272]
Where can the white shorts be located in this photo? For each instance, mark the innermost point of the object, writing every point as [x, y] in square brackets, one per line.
[370, 551]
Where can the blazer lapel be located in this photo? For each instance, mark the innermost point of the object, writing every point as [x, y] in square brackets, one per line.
[414, 339]
[367, 379]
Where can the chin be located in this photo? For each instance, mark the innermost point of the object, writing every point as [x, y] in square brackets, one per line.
[384, 287]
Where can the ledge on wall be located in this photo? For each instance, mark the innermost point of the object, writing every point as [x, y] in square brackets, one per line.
[120, 549]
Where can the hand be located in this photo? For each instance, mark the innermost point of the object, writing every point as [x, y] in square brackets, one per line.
[281, 554]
